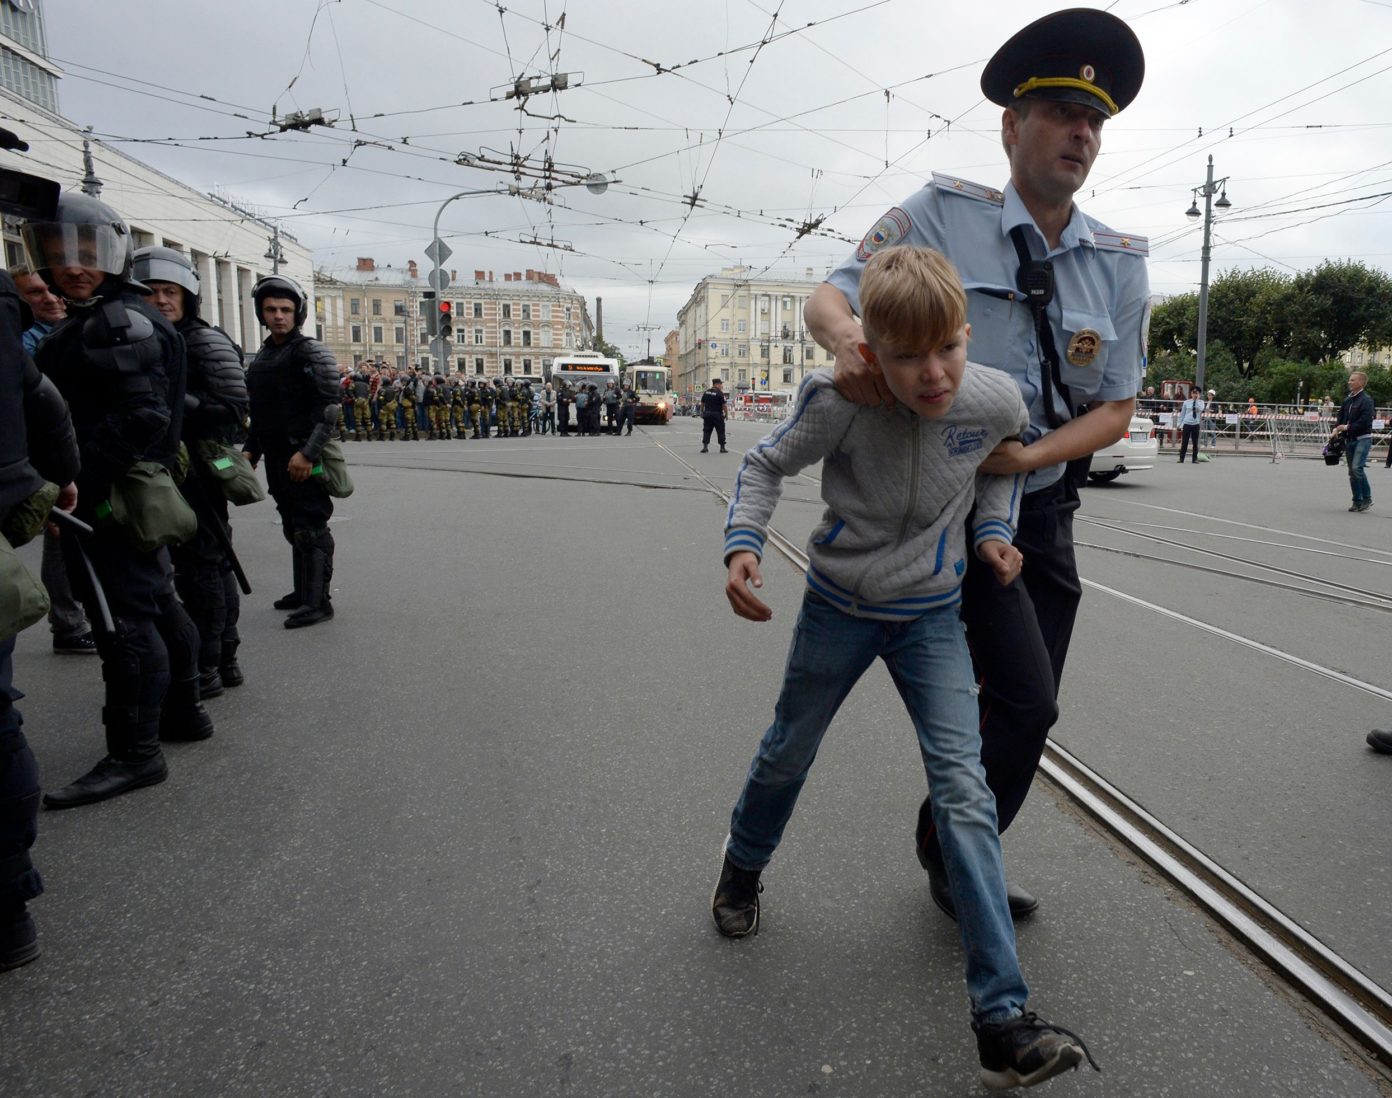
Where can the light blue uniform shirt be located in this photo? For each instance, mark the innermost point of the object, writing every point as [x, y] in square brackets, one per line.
[33, 335]
[1100, 288]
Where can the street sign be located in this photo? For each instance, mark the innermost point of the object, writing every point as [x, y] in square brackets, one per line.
[438, 251]
[441, 348]
[439, 281]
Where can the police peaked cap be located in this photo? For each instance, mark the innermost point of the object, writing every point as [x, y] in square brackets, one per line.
[1080, 55]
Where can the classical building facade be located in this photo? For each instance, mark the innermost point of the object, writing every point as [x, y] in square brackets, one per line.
[500, 327]
[231, 247]
[747, 330]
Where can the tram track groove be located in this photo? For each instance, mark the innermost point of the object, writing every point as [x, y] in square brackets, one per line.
[1357, 1007]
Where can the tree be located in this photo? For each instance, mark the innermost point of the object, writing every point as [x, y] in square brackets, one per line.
[608, 350]
[1246, 311]
[1337, 306]
[1174, 325]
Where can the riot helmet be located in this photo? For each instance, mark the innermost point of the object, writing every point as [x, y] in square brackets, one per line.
[278, 285]
[84, 232]
[167, 265]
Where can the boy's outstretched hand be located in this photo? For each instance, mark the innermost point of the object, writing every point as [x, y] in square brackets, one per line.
[742, 574]
[1005, 560]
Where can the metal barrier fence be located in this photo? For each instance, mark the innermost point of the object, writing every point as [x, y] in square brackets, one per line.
[1278, 432]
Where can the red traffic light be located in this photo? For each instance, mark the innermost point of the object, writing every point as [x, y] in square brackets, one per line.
[445, 307]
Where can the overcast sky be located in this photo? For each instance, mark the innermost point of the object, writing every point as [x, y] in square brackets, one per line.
[731, 126]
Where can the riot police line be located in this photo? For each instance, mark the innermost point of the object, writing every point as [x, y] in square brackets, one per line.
[125, 437]
[386, 404]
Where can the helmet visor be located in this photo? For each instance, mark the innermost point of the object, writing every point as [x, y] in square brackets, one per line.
[53, 244]
[154, 268]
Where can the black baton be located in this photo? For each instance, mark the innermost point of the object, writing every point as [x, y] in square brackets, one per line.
[82, 530]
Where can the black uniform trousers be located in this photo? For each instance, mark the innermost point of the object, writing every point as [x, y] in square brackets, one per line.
[202, 571]
[19, 796]
[154, 640]
[709, 424]
[1019, 637]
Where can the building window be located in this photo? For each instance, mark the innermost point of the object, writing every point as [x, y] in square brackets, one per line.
[478, 310]
[724, 325]
[399, 334]
[526, 365]
[744, 377]
[526, 311]
[763, 350]
[742, 326]
[478, 337]
[526, 337]
[809, 353]
[742, 350]
[355, 306]
[507, 337]
[545, 310]
[507, 365]
[398, 308]
[401, 362]
[376, 306]
[376, 333]
[478, 365]
[356, 333]
[546, 337]
[787, 356]
[507, 310]
[787, 377]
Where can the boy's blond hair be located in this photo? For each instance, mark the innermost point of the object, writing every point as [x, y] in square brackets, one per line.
[911, 298]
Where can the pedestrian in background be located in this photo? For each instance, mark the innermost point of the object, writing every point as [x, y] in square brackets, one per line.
[72, 635]
[1355, 425]
[1190, 416]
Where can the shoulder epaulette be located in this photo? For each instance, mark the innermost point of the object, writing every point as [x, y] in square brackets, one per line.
[968, 188]
[1121, 242]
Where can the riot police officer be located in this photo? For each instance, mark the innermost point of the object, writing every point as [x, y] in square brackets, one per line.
[120, 366]
[215, 410]
[293, 393]
[362, 412]
[386, 407]
[22, 487]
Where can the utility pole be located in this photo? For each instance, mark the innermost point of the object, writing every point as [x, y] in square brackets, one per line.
[1209, 187]
[273, 253]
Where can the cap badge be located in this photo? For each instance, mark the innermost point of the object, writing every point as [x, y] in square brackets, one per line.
[1088, 73]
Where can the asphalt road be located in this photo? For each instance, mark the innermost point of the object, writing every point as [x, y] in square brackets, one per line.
[461, 839]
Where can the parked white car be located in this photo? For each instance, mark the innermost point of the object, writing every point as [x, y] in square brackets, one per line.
[1137, 449]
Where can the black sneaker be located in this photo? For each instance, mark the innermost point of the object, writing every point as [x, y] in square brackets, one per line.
[735, 904]
[1026, 1050]
[1380, 741]
[84, 645]
[19, 942]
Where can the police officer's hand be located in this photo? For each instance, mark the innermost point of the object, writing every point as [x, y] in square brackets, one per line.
[743, 573]
[67, 498]
[1005, 560]
[252, 459]
[1007, 459]
[858, 381]
[299, 467]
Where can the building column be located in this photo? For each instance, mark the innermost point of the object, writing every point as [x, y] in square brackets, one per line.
[225, 277]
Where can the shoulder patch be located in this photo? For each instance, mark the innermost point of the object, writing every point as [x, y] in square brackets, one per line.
[968, 188]
[885, 233]
[1121, 242]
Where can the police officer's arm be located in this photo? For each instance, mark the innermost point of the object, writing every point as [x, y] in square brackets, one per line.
[829, 318]
[323, 370]
[223, 380]
[1105, 422]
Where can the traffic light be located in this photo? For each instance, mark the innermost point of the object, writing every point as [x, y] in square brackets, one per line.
[428, 311]
[446, 325]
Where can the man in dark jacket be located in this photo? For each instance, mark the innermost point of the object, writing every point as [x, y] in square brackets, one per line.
[215, 410]
[1355, 424]
[120, 366]
[293, 385]
[713, 405]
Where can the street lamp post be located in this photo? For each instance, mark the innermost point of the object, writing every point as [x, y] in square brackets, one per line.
[1209, 187]
[594, 182]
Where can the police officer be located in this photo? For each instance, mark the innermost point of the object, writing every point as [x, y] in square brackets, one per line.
[292, 389]
[362, 411]
[459, 406]
[120, 366]
[22, 486]
[1058, 81]
[565, 397]
[713, 411]
[215, 410]
[481, 407]
[407, 395]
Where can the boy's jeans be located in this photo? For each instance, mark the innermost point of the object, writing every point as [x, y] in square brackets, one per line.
[1357, 453]
[928, 660]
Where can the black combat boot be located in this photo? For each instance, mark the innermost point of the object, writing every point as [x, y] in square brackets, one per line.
[229, 668]
[182, 716]
[318, 555]
[19, 942]
[295, 599]
[133, 758]
[210, 684]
